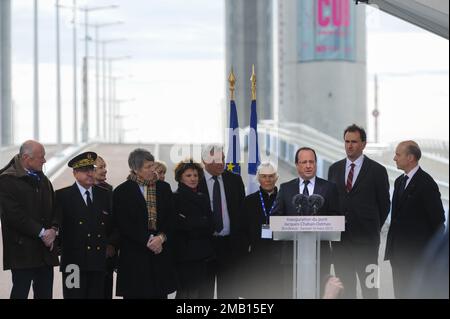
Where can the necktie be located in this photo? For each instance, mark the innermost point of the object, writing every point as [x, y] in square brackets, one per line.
[88, 199]
[217, 206]
[305, 188]
[348, 185]
[402, 186]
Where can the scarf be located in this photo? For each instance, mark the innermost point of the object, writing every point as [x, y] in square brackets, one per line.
[150, 198]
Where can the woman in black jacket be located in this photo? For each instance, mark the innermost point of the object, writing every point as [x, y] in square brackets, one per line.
[262, 272]
[193, 231]
[143, 208]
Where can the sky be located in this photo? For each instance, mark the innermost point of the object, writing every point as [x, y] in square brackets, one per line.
[173, 84]
[413, 79]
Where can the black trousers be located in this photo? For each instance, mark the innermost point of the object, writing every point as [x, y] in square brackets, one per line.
[111, 264]
[354, 259]
[222, 268]
[91, 286]
[40, 277]
[403, 272]
[192, 277]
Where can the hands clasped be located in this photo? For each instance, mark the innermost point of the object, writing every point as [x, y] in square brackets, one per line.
[49, 237]
[155, 244]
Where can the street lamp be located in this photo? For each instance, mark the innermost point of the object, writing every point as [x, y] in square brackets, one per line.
[36, 74]
[108, 100]
[97, 75]
[118, 118]
[6, 104]
[75, 61]
[58, 79]
[85, 122]
[104, 60]
[112, 88]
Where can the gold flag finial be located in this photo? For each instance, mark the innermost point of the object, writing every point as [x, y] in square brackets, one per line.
[232, 81]
[253, 80]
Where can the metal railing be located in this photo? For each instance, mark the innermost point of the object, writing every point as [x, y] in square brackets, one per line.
[284, 138]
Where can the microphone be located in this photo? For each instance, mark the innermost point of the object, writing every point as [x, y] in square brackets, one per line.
[299, 201]
[316, 201]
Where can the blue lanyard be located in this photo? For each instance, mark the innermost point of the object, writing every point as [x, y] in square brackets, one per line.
[264, 206]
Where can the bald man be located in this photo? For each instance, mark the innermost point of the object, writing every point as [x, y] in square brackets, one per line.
[417, 215]
[29, 223]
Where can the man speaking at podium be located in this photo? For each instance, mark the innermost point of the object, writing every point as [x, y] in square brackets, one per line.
[308, 184]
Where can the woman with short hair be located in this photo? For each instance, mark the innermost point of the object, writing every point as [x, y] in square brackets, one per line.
[143, 208]
[262, 273]
[160, 169]
[193, 231]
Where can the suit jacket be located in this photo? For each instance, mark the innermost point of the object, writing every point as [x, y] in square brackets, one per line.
[284, 206]
[84, 232]
[235, 195]
[288, 190]
[416, 217]
[141, 273]
[366, 206]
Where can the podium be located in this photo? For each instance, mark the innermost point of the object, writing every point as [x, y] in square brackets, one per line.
[307, 232]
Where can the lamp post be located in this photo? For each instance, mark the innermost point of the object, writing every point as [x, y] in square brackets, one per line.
[97, 73]
[118, 118]
[58, 79]
[104, 43]
[6, 104]
[376, 112]
[112, 88]
[75, 66]
[36, 75]
[85, 120]
[75, 86]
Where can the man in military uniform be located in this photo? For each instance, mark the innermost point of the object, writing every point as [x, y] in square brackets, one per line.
[85, 220]
[111, 249]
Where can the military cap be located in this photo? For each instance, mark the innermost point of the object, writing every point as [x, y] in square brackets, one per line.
[83, 160]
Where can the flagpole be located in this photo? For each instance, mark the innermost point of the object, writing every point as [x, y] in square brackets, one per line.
[233, 153]
[253, 80]
[253, 149]
[232, 81]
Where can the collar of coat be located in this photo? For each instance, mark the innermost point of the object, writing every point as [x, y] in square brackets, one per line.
[14, 168]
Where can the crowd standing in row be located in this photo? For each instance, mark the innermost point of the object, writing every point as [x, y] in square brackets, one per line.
[208, 234]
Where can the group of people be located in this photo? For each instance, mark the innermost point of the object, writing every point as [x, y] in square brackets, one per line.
[207, 239]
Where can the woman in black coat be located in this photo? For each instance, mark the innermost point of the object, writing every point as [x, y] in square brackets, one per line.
[193, 232]
[143, 208]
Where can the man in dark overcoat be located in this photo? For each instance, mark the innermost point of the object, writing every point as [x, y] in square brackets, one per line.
[29, 223]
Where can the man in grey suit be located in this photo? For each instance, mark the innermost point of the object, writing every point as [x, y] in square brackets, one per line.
[363, 188]
[307, 184]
